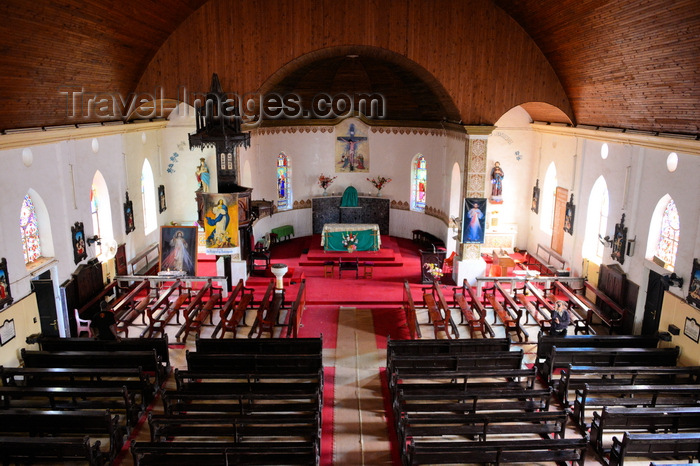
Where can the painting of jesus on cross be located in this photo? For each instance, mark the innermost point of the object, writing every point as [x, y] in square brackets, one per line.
[351, 147]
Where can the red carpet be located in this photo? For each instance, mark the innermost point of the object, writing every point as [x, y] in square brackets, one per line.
[320, 320]
[328, 415]
[389, 322]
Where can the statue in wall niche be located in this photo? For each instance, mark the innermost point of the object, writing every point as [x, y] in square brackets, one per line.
[497, 183]
[202, 175]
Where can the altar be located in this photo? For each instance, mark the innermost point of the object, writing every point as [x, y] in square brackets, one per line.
[368, 236]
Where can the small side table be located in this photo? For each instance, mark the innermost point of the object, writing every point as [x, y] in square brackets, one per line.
[368, 269]
[329, 269]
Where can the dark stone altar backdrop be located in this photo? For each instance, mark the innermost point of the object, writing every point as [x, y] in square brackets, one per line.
[369, 210]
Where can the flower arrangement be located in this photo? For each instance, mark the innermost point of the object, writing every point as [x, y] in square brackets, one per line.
[325, 181]
[434, 270]
[350, 241]
[379, 182]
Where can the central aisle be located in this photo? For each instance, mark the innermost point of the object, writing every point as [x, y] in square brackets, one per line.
[360, 427]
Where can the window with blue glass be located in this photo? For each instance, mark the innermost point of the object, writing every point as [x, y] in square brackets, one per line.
[284, 185]
[419, 177]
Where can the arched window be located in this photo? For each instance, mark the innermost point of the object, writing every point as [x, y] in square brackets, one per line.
[101, 211]
[148, 198]
[419, 176]
[664, 232]
[549, 190]
[284, 182]
[29, 228]
[596, 222]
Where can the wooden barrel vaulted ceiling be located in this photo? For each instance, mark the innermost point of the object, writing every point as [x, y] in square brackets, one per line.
[617, 63]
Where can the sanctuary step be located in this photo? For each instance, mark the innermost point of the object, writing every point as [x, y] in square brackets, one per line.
[387, 256]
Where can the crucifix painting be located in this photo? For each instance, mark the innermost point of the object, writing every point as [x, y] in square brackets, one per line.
[351, 148]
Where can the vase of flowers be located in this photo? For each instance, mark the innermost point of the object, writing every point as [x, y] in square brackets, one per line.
[379, 183]
[325, 181]
[434, 271]
[350, 241]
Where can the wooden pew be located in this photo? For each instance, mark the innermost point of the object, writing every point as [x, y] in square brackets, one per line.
[497, 451]
[233, 427]
[163, 310]
[655, 446]
[69, 426]
[52, 450]
[473, 311]
[509, 317]
[540, 310]
[575, 377]
[433, 347]
[439, 321]
[135, 379]
[560, 358]
[187, 378]
[546, 342]
[149, 361]
[610, 313]
[665, 419]
[224, 453]
[266, 346]
[599, 396]
[159, 344]
[198, 310]
[582, 319]
[176, 402]
[233, 312]
[88, 310]
[464, 379]
[548, 261]
[296, 311]
[263, 309]
[409, 309]
[504, 360]
[252, 363]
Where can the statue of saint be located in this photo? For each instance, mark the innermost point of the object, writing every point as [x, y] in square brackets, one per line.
[202, 174]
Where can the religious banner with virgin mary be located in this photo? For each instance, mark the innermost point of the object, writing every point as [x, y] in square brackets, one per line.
[220, 215]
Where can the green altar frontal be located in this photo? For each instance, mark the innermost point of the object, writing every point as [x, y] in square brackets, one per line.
[368, 236]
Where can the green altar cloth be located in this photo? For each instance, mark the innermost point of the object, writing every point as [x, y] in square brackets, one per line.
[366, 240]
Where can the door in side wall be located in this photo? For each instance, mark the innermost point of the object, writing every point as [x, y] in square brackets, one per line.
[560, 200]
[46, 302]
[653, 304]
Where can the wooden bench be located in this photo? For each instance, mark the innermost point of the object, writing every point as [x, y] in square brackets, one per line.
[52, 450]
[146, 262]
[409, 309]
[439, 321]
[266, 346]
[599, 396]
[539, 308]
[263, 310]
[548, 261]
[575, 377]
[546, 342]
[135, 380]
[263, 363]
[128, 309]
[114, 399]
[159, 344]
[235, 427]
[78, 425]
[580, 312]
[497, 451]
[560, 358]
[503, 360]
[163, 310]
[473, 311]
[464, 379]
[438, 309]
[148, 361]
[296, 311]
[177, 402]
[509, 312]
[434, 347]
[224, 453]
[186, 378]
[199, 310]
[666, 419]
[608, 311]
[233, 311]
[655, 446]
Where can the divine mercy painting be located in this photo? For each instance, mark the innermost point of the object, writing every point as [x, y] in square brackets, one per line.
[220, 222]
[474, 220]
[351, 147]
[178, 249]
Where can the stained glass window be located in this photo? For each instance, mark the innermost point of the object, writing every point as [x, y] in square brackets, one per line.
[667, 246]
[418, 183]
[284, 187]
[31, 246]
[95, 211]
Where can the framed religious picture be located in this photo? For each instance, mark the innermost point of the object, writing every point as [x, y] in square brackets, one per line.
[161, 199]
[536, 197]
[569, 217]
[78, 241]
[5, 295]
[351, 147]
[220, 214]
[694, 288]
[129, 214]
[474, 220]
[178, 249]
[619, 241]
